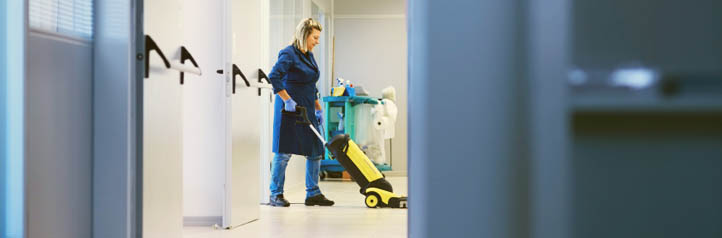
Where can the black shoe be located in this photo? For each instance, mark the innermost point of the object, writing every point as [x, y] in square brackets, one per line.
[318, 200]
[279, 201]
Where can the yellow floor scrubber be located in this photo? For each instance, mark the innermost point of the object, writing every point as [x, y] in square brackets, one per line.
[374, 186]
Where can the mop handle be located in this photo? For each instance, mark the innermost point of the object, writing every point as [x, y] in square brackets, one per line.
[301, 112]
[317, 134]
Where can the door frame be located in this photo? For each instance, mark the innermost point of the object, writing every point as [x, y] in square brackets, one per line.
[328, 29]
[226, 32]
[267, 111]
[13, 176]
[229, 53]
[137, 102]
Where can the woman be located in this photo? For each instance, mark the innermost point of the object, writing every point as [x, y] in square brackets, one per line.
[294, 81]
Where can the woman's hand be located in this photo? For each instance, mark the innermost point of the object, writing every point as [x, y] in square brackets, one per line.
[289, 105]
[319, 112]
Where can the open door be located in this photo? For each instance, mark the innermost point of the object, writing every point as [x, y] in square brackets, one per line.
[217, 33]
[205, 114]
[243, 177]
[162, 121]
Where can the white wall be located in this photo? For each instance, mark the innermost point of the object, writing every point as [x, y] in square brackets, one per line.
[326, 5]
[369, 7]
[371, 51]
[59, 137]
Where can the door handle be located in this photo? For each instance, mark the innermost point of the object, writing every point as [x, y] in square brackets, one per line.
[237, 71]
[262, 75]
[151, 45]
[185, 55]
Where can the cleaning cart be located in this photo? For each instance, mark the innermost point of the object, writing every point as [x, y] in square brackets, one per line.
[346, 106]
[377, 190]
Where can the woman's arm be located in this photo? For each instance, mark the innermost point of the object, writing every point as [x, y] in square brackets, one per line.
[279, 70]
[317, 96]
[284, 95]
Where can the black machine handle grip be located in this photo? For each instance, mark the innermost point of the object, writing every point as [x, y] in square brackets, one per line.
[300, 113]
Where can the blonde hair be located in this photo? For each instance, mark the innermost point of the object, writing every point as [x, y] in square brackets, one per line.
[303, 30]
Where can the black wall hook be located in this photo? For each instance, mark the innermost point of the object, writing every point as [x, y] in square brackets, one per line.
[151, 45]
[237, 71]
[185, 55]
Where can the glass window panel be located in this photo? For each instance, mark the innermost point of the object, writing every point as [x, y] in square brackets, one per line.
[68, 17]
[285, 14]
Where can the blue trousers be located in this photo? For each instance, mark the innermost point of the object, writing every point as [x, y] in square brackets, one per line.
[278, 174]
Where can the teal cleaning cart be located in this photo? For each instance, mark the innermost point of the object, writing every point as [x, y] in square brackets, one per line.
[347, 106]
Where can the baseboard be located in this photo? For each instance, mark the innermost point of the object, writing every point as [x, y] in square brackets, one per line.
[395, 173]
[202, 221]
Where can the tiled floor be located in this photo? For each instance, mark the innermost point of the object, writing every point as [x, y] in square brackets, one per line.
[348, 218]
